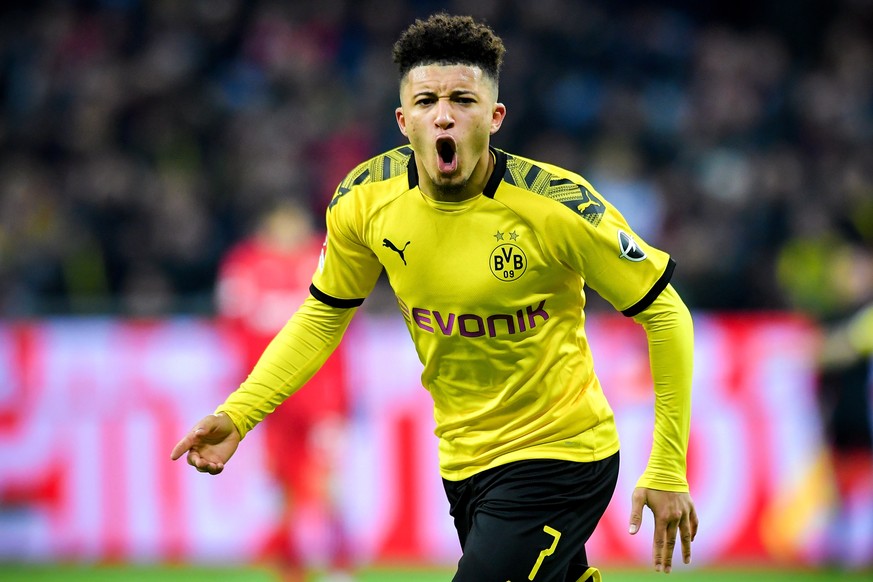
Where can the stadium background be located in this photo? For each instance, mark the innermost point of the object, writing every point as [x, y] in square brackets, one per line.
[140, 139]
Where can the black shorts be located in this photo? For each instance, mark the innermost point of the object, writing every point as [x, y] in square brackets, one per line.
[529, 520]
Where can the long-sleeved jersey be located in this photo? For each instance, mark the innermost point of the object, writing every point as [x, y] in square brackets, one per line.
[492, 291]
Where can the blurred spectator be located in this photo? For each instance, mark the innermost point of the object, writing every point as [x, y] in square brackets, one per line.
[831, 279]
[262, 281]
[846, 391]
[139, 139]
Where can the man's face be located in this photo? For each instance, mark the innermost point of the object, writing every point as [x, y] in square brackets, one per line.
[449, 112]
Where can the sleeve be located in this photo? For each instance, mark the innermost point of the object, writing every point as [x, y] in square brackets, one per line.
[288, 362]
[670, 333]
[627, 272]
[613, 260]
[347, 269]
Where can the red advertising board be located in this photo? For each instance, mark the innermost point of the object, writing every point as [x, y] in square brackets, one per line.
[90, 409]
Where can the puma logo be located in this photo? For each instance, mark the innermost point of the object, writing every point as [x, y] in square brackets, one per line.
[583, 207]
[390, 245]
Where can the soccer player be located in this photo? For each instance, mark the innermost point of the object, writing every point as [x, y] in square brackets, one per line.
[488, 254]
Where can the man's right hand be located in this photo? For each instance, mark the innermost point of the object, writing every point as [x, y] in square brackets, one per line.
[210, 444]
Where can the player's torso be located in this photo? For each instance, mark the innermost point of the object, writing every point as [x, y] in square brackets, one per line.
[495, 311]
[470, 269]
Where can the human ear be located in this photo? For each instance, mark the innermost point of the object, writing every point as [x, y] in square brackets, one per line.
[401, 120]
[497, 117]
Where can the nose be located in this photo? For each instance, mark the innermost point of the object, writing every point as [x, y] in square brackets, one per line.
[444, 118]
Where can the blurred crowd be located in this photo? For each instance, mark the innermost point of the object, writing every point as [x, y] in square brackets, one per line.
[140, 139]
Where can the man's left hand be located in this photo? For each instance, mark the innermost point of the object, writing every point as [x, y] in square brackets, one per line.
[673, 512]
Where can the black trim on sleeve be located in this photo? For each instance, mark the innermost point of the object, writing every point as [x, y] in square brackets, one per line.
[653, 293]
[333, 301]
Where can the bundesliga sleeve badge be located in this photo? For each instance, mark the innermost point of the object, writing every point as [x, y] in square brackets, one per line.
[628, 248]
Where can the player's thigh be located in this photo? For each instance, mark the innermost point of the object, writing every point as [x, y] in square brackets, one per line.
[538, 548]
[534, 521]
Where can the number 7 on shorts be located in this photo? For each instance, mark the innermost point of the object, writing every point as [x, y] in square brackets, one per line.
[546, 552]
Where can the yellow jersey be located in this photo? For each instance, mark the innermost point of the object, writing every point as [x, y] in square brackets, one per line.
[492, 291]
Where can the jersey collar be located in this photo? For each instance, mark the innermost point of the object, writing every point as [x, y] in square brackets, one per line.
[490, 187]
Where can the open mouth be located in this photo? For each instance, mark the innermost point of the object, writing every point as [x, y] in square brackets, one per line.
[447, 154]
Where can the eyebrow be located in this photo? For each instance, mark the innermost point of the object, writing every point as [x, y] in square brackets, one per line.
[455, 93]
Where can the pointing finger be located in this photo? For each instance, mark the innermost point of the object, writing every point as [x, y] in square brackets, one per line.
[190, 440]
[183, 446]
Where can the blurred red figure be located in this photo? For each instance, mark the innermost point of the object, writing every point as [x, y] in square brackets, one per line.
[261, 282]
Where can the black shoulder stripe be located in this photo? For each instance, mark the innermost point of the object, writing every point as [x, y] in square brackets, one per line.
[412, 172]
[653, 293]
[333, 301]
[497, 174]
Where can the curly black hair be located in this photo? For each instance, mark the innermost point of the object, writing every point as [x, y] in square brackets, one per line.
[448, 39]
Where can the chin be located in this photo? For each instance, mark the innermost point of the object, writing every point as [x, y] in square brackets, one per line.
[453, 181]
[451, 189]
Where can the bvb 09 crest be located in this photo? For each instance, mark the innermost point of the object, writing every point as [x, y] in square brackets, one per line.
[508, 262]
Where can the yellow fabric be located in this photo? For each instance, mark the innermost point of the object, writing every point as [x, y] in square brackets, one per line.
[292, 358]
[860, 331]
[591, 575]
[492, 292]
[670, 334]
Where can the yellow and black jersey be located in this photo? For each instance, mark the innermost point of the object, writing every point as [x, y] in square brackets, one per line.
[492, 291]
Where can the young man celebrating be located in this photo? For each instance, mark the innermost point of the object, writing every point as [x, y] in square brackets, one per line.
[488, 254]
